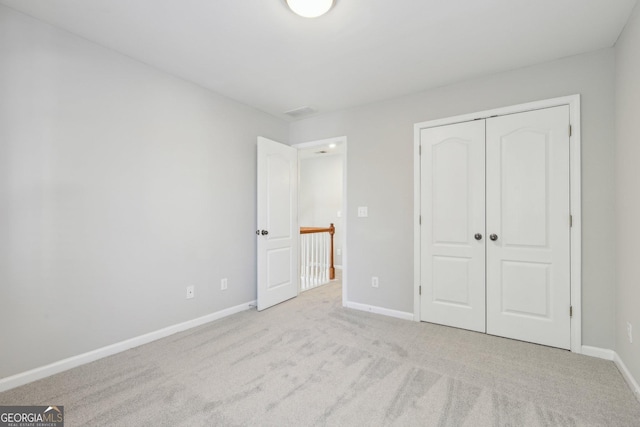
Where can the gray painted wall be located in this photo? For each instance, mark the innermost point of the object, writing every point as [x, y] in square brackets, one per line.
[119, 186]
[380, 176]
[627, 195]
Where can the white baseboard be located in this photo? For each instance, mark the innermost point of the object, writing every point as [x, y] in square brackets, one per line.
[603, 353]
[627, 375]
[600, 353]
[379, 310]
[81, 359]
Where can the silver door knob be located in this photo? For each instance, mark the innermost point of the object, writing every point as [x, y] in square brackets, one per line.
[494, 237]
[265, 232]
[478, 236]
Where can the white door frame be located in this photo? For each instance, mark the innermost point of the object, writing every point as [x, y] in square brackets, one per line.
[573, 102]
[342, 140]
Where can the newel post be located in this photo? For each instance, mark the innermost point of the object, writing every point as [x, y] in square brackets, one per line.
[332, 269]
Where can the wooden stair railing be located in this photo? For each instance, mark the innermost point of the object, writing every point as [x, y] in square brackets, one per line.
[331, 230]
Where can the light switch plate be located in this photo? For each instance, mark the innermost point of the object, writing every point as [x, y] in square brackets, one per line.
[363, 211]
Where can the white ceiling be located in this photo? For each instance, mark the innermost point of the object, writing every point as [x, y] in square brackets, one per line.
[261, 54]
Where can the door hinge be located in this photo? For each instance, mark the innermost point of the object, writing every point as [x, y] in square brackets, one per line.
[419, 290]
[419, 150]
[570, 221]
[570, 311]
[420, 220]
[570, 130]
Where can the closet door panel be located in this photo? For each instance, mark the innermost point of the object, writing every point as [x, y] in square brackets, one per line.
[453, 262]
[528, 264]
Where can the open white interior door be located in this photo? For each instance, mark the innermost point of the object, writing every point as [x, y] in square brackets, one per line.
[277, 230]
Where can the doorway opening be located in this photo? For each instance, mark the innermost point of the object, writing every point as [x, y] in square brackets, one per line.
[322, 204]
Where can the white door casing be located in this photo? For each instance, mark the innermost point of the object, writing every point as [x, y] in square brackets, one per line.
[528, 265]
[453, 216]
[277, 228]
[520, 197]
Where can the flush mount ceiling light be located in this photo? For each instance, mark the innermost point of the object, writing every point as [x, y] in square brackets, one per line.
[310, 8]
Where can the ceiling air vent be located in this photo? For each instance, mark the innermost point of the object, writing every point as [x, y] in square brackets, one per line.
[299, 112]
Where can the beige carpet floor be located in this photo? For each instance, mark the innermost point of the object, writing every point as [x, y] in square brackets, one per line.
[311, 362]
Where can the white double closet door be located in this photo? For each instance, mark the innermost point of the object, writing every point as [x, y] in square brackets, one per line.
[495, 232]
